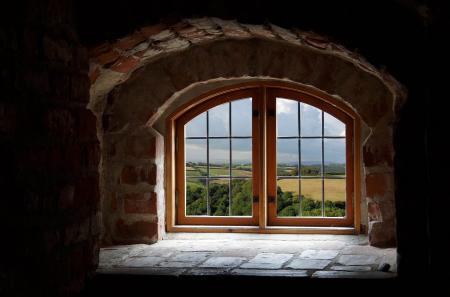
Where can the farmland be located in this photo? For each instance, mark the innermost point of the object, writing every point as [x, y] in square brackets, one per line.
[289, 202]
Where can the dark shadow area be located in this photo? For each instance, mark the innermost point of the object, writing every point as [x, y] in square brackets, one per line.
[401, 37]
[119, 285]
[49, 151]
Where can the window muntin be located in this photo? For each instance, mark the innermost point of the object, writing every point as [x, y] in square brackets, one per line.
[222, 157]
[262, 149]
[310, 162]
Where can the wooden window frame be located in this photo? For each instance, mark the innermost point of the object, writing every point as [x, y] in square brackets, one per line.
[263, 94]
[182, 219]
[273, 219]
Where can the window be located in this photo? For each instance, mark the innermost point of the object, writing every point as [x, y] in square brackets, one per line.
[264, 156]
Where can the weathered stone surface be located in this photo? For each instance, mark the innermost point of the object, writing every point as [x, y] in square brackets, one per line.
[142, 261]
[191, 257]
[357, 259]
[308, 264]
[152, 251]
[141, 231]
[146, 203]
[267, 261]
[223, 262]
[115, 255]
[171, 254]
[142, 271]
[351, 268]
[319, 254]
[174, 264]
[349, 274]
[270, 273]
[367, 250]
[207, 271]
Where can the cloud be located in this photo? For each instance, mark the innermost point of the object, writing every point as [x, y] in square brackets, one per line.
[286, 106]
[311, 118]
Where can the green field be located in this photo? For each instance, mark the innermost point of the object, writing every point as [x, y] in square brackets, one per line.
[289, 202]
[217, 170]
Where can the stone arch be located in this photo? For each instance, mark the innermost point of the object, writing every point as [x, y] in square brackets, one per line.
[138, 79]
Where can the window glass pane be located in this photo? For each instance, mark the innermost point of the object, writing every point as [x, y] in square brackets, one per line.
[287, 157]
[335, 197]
[332, 126]
[311, 154]
[196, 204]
[334, 157]
[219, 157]
[288, 204]
[310, 120]
[241, 157]
[241, 117]
[311, 196]
[287, 117]
[219, 120]
[195, 157]
[219, 197]
[241, 197]
[197, 126]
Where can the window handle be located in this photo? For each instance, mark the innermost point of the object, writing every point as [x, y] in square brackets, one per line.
[255, 199]
[271, 199]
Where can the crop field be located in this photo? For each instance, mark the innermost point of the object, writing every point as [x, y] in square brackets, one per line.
[201, 170]
[312, 188]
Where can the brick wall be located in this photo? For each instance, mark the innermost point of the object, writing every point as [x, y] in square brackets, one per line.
[49, 154]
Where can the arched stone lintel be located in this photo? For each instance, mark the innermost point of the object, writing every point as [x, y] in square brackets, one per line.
[197, 50]
[139, 80]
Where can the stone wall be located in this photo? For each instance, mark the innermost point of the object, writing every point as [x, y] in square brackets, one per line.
[137, 79]
[49, 154]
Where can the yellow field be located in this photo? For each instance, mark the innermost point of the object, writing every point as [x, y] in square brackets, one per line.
[312, 188]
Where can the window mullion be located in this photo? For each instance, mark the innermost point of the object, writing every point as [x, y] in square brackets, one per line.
[208, 204]
[231, 158]
[323, 170]
[299, 160]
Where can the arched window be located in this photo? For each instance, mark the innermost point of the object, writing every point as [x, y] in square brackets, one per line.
[264, 156]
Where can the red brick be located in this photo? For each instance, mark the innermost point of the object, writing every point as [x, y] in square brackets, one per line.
[374, 212]
[129, 175]
[377, 184]
[140, 203]
[129, 41]
[373, 157]
[136, 230]
[316, 41]
[125, 64]
[94, 74]
[152, 30]
[148, 174]
[108, 57]
[113, 204]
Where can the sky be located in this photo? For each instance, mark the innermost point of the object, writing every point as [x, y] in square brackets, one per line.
[287, 125]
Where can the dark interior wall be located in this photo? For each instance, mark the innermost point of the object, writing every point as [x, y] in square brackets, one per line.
[49, 152]
[403, 37]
